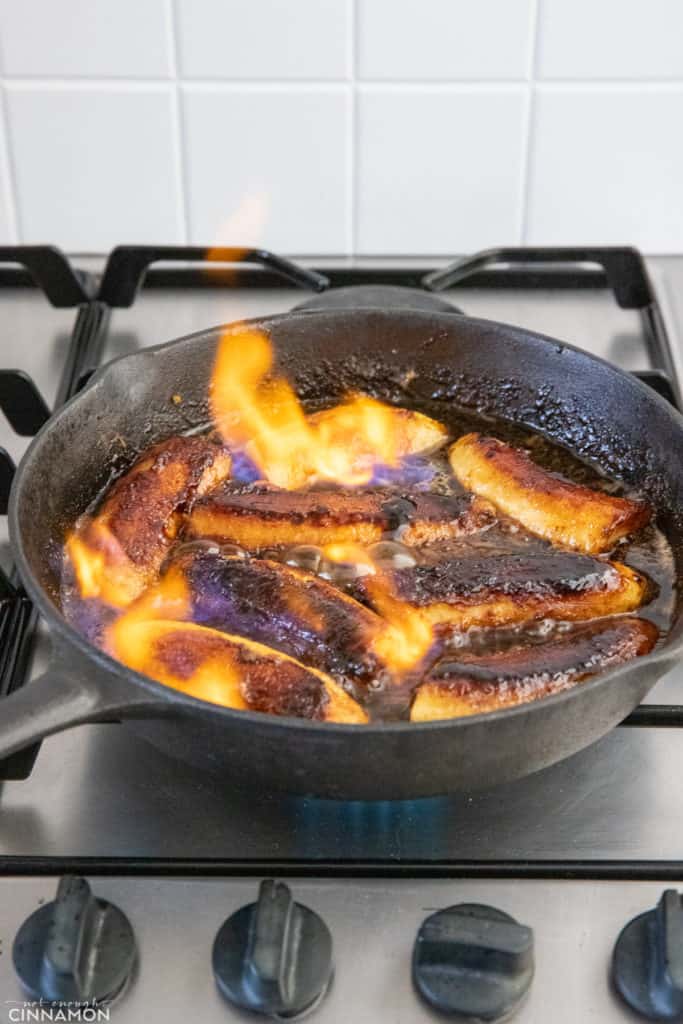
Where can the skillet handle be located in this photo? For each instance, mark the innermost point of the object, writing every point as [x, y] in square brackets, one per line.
[57, 700]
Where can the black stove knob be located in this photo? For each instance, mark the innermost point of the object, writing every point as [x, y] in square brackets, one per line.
[75, 949]
[273, 956]
[647, 966]
[473, 962]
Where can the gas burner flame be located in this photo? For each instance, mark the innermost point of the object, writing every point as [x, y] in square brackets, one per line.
[355, 443]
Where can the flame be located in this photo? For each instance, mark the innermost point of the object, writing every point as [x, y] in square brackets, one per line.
[154, 637]
[354, 437]
[182, 655]
[261, 415]
[246, 222]
[101, 568]
[407, 636]
[168, 598]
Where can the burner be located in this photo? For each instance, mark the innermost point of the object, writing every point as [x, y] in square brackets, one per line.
[378, 296]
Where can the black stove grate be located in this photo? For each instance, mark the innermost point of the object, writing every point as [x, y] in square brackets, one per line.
[47, 269]
[127, 267]
[622, 269]
[619, 269]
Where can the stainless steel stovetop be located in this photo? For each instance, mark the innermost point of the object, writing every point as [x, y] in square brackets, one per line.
[101, 803]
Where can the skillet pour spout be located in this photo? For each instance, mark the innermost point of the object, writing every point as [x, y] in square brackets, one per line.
[404, 356]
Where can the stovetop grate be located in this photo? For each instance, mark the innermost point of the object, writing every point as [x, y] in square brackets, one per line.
[619, 269]
[47, 269]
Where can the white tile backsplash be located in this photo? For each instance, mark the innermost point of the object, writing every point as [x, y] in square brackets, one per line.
[611, 39]
[267, 166]
[429, 168]
[444, 40]
[82, 38]
[264, 39]
[94, 165]
[341, 126]
[597, 177]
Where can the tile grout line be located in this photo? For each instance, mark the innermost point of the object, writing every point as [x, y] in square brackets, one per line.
[530, 133]
[302, 84]
[177, 117]
[351, 176]
[10, 187]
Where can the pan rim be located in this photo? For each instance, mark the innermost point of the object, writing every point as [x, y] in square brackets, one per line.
[664, 652]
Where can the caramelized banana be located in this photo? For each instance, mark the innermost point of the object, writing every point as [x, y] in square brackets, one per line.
[257, 518]
[476, 684]
[512, 587]
[116, 553]
[271, 603]
[231, 671]
[563, 512]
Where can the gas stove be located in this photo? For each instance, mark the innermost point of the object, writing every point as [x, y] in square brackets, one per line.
[571, 854]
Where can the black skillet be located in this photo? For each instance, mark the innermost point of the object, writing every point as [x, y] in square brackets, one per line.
[597, 411]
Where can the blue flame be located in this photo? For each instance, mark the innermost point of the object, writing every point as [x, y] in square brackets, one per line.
[244, 469]
[411, 470]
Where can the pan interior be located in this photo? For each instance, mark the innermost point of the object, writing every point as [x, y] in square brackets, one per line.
[441, 364]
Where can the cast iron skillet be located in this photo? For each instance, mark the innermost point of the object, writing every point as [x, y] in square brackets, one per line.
[598, 411]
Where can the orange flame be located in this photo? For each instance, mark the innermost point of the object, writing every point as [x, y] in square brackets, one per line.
[245, 222]
[168, 598]
[153, 636]
[101, 568]
[181, 655]
[407, 637]
[262, 415]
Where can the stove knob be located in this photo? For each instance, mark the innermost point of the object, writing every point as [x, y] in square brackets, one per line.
[75, 949]
[274, 956]
[647, 966]
[473, 962]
